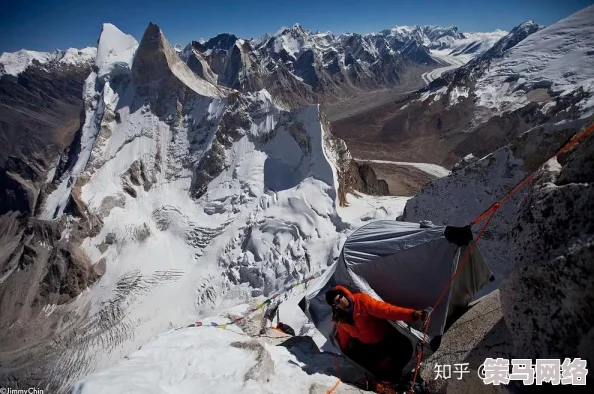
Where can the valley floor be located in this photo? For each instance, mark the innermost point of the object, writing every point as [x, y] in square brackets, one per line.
[403, 178]
[366, 101]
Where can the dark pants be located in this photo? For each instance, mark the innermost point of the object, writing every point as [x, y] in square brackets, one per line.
[384, 359]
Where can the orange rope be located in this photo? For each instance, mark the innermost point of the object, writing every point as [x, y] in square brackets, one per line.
[490, 212]
[330, 390]
[529, 178]
[577, 139]
[464, 260]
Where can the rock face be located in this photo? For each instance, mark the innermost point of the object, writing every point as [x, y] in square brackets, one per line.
[543, 308]
[548, 298]
[44, 104]
[480, 333]
[38, 267]
[460, 197]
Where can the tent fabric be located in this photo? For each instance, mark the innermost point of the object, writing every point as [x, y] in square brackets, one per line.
[405, 264]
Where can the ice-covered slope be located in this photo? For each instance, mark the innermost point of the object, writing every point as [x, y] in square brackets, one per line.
[557, 59]
[14, 63]
[195, 197]
[115, 50]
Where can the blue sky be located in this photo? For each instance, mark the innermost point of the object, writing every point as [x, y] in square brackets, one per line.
[45, 25]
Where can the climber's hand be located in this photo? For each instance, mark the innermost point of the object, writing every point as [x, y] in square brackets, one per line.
[420, 315]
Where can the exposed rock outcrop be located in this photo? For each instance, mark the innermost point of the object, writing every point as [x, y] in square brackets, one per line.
[43, 103]
[39, 268]
[480, 333]
[352, 176]
[548, 299]
[546, 293]
[462, 196]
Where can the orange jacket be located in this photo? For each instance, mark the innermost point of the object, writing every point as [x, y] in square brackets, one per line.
[370, 317]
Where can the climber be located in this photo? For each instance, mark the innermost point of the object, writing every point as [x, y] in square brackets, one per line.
[364, 332]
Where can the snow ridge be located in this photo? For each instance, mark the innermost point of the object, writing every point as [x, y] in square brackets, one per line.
[14, 63]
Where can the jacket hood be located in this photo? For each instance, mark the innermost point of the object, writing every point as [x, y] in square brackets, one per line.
[344, 290]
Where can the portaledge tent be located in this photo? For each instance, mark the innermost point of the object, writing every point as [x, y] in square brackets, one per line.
[405, 264]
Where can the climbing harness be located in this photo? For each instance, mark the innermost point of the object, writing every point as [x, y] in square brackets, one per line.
[488, 214]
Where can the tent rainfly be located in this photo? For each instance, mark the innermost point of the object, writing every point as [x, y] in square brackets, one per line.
[405, 264]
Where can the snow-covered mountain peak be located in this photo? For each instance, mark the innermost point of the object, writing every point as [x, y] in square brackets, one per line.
[291, 40]
[426, 34]
[298, 27]
[115, 51]
[295, 29]
[403, 29]
[527, 26]
[557, 60]
[313, 66]
[221, 41]
[509, 40]
[431, 44]
[228, 197]
[14, 63]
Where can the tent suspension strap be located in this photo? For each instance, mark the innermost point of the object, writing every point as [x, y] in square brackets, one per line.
[489, 213]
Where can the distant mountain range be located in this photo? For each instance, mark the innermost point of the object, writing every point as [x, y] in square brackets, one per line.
[311, 66]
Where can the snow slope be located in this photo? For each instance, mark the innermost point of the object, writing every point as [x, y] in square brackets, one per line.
[116, 50]
[450, 39]
[14, 63]
[558, 58]
[213, 360]
[472, 44]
